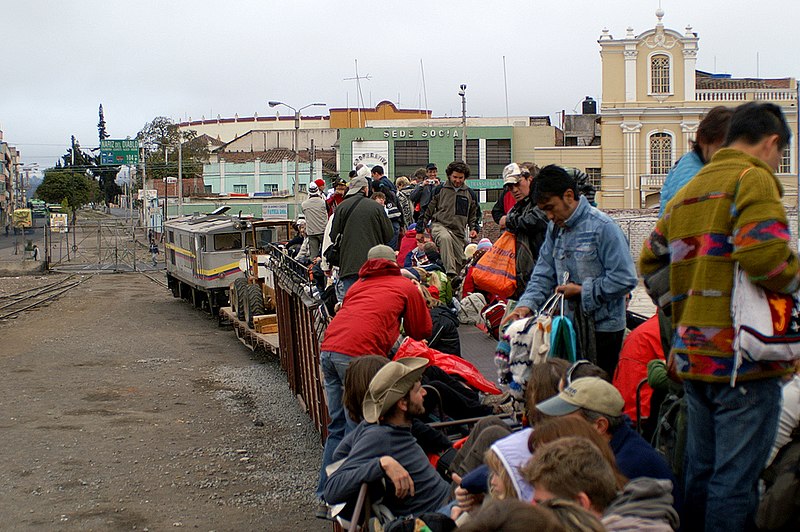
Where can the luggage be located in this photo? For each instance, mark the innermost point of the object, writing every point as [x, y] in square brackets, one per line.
[470, 308]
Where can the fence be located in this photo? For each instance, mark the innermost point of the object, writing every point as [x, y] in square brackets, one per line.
[301, 326]
[108, 245]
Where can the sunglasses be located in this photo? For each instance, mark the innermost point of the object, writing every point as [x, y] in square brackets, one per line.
[572, 368]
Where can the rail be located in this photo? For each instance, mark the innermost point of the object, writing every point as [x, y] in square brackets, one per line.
[23, 301]
[301, 326]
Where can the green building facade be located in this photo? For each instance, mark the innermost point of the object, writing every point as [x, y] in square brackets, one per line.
[402, 150]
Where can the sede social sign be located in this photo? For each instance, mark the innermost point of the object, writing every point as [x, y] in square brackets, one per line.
[425, 133]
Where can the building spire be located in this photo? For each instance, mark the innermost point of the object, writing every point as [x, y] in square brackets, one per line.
[659, 13]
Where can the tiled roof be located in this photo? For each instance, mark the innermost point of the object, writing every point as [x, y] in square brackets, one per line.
[704, 80]
[277, 155]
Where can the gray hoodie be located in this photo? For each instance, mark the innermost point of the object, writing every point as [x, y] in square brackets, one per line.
[644, 504]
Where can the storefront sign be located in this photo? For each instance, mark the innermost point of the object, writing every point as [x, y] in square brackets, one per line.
[370, 153]
[423, 134]
[274, 211]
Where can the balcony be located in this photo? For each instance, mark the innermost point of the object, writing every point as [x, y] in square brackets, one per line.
[745, 95]
[649, 185]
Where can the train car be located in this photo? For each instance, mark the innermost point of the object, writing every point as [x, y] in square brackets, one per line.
[205, 253]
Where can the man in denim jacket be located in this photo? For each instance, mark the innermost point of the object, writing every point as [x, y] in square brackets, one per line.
[590, 246]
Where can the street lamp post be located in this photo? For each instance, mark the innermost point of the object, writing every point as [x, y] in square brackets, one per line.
[463, 94]
[296, 143]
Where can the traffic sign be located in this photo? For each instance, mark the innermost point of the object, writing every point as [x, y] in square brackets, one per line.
[119, 152]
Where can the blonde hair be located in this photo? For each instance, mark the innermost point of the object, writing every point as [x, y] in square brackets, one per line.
[402, 181]
[497, 469]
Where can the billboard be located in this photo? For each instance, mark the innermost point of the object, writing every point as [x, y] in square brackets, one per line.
[274, 211]
[58, 222]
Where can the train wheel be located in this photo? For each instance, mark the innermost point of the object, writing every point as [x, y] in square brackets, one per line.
[239, 297]
[255, 303]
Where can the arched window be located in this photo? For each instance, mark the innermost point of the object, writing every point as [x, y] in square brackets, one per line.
[660, 153]
[659, 74]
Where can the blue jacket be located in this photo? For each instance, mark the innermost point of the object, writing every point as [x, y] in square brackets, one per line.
[680, 174]
[595, 252]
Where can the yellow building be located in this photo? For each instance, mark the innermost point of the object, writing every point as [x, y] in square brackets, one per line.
[653, 99]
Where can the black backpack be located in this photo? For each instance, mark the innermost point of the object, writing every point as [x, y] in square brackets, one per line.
[780, 506]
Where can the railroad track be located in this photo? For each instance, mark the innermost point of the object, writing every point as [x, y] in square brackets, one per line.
[13, 304]
[156, 280]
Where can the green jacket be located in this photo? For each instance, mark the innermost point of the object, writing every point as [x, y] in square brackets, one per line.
[454, 208]
[707, 227]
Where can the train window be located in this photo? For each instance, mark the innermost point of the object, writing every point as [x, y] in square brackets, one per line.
[172, 256]
[171, 237]
[265, 236]
[227, 241]
[248, 239]
[202, 243]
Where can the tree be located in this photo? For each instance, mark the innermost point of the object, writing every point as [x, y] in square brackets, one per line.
[101, 126]
[74, 186]
[160, 139]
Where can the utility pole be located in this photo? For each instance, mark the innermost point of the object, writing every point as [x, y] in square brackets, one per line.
[463, 94]
[180, 174]
[296, 145]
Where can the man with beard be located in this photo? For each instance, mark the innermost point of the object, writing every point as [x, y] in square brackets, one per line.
[382, 446]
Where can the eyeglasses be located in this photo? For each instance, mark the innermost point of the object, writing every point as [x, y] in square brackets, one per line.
[572, 368]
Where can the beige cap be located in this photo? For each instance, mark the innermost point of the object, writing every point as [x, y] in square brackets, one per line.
[591, 393]
[469, 251]
[382, 251]
[356, 184]
[392, 382]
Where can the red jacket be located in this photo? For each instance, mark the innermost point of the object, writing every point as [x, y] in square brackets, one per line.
[369, 320]
[407, 245]
[642, 345]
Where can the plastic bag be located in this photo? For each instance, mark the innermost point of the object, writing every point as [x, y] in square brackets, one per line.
[496, 271]
[448, 363]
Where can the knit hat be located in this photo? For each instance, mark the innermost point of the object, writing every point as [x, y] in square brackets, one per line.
[591, 393]
[484, 243]
[432, 290]
[392, 382]
[382, 251]
[356, 184]
[469, 251]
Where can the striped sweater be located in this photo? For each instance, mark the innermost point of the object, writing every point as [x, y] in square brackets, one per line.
[707, 227]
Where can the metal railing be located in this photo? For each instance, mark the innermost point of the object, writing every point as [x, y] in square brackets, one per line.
[745, 95]
[301, 325]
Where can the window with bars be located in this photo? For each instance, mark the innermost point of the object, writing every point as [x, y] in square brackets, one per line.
[240, 189]
[786, 161]
[594, 177]
[409, 155]
[498, 151]
[473, 152]
[659, 74]
[660, 153]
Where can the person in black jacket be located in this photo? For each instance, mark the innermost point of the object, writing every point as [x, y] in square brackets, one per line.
[525, 221]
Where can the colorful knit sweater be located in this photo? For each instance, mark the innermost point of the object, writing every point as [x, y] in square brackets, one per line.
[707, 227]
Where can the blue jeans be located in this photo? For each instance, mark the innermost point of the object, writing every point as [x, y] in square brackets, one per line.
[343, 285]
[334, 366]
[730, 432]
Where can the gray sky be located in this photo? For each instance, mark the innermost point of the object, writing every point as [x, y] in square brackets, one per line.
[189, 58]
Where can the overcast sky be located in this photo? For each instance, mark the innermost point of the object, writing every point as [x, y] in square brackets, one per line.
[194, 58]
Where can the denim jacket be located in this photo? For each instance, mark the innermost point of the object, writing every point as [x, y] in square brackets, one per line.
[595, 252]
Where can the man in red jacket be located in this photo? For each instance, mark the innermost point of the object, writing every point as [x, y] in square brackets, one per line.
[367, 324]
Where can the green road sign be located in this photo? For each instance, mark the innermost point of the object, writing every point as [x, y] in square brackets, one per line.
[119, 151]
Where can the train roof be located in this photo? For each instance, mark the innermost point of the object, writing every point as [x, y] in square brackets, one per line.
[214, 223]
